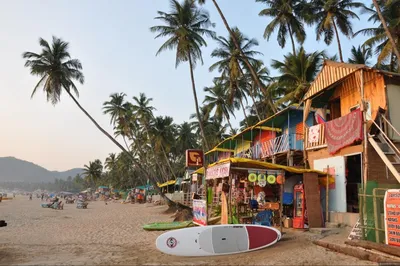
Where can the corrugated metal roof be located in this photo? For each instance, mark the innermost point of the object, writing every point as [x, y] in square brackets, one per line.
[331, 73]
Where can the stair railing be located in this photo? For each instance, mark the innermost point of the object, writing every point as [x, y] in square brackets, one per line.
[387, 140]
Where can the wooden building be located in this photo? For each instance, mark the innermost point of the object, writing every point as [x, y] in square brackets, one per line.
[344, 96]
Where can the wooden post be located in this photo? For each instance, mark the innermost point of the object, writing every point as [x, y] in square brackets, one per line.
[365, 148]
[230, 198]
[327, 196]
[281, 208]
[376, 216]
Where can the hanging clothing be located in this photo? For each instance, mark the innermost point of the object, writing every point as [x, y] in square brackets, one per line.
[313, 133]
[344, 131]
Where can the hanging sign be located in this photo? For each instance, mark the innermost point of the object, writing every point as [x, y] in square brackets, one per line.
[194, 158]
[218, 171]
[392, 217]
[199, 212]
[194, 177]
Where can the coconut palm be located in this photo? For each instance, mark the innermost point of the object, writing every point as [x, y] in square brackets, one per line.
[285, 16]
[185, 139]
[231, 62]
[115, 107]
[93, 171]
[296, 74]
[332, 16]
[216, 101]
[378, 36]
[185, 27]
[249, 66]
[142, 109]
[111, 162]
[360, 55]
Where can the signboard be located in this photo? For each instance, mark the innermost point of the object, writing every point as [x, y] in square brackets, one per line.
[194, 177]
[392, 217]
[194, 158]
[218, 171]
[199, 212]
[356, 233]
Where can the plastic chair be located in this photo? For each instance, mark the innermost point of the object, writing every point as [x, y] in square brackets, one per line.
[263, 218]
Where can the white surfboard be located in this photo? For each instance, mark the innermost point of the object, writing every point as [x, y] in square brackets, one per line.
[217, 240]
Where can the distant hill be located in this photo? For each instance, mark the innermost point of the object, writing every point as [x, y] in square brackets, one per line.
[13, 169]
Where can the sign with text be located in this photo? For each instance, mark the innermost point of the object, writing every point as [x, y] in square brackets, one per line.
[356, 232]
[199, 212]
[194, 158]
[218, 171]
[392, 217]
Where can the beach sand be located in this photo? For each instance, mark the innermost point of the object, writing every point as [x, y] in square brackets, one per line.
[113, 234]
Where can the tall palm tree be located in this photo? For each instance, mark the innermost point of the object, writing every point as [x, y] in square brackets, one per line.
[249, 66]
[216, 101]
[185, 27]
[378, 36]
[186, 139]
[231, 62]
[387, 31]
[111, 162]
[93, 171]
[286, 16]
[142, 109]
[297, 73]
[57, 72]
[330, 16]
[115, 107]
[360, 55]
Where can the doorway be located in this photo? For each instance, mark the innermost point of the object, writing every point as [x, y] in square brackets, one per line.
[353, 181]
[335, 110]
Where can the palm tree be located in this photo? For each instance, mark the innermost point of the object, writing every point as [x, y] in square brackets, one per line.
[185, 139]
[297, 73]
[57, 72]
[111, 162]
[93, 171]
[249, 66]
[216, 101]
[387, 31]
[378, 36]
[142, 109]
[185, 27]
[360, 55]
[286, 17]
[115, 107]
[330, 16]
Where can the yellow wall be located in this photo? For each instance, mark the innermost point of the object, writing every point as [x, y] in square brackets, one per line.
[242, 146]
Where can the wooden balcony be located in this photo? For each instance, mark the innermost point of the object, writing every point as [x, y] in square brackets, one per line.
[320, 143]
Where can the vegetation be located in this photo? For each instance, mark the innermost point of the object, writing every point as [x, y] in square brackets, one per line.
[154, 146]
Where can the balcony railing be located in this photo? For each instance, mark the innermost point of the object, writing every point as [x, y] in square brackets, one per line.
[320, 141]
[273, 146]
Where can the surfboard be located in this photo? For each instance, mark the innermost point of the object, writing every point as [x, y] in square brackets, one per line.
[217, 240]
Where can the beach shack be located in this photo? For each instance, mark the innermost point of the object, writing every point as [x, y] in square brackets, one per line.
[244, 190]
[354, 136]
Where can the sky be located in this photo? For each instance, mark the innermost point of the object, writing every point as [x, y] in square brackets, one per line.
[118, 52]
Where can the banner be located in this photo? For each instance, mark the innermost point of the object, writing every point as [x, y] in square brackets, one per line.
[199, 212]
[218, 171]
[392, 217]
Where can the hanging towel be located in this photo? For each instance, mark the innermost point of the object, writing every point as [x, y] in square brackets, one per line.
[344, 131]
[313, 133]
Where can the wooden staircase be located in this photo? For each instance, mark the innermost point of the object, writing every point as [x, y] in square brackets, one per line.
[384, 146]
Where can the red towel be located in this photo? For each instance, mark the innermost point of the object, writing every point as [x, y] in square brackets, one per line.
[344, 131]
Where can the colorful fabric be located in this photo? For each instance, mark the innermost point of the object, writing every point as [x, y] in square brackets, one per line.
[313, 133]
[320, 116]
[299, 131]
[344, 131]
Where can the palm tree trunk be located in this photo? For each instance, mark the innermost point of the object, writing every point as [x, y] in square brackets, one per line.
[338, 41]
[291, 38]
[126, 144]
[168, 162]
[196, 102]
[152, 180]
[250, 67]
[229, 121]
[252, 96]
[388, 34]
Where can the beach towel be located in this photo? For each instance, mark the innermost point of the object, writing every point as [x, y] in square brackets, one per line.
[313, 133]
[344, 131]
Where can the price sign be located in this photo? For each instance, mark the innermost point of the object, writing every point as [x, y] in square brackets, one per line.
[392, 217]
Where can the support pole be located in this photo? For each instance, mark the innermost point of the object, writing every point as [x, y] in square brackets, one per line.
[365, 149]
[327, 196]
[281, 208]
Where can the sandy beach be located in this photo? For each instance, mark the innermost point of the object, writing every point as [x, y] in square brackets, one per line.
[113, 234]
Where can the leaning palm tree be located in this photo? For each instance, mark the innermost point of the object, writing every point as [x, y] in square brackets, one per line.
[286, 16]
[216, 101]
[360, 55]
[249, 66]
[297, 73]
[185, 27]
[332, 16]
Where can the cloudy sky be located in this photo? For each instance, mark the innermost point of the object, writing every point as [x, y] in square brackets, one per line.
[117, 50]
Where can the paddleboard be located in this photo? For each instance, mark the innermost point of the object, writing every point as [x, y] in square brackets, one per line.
[217, 240]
